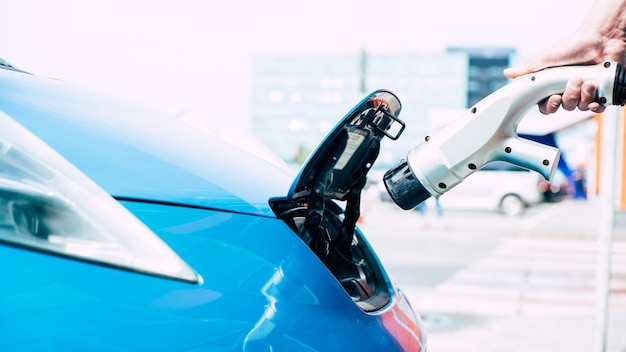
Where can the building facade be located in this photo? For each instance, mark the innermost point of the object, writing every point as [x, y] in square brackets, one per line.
[298, 99]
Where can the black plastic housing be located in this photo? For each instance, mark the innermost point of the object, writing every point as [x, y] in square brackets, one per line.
[619, 86]
[403, 187]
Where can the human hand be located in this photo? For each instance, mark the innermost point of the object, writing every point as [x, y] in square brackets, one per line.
[581, 48]
[577, 94]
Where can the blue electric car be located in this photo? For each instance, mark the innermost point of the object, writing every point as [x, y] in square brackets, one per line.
[126, 229]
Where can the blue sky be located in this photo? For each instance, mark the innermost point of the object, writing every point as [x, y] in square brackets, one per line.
[188, 53]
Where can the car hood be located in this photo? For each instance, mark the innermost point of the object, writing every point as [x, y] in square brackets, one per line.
[136, 153]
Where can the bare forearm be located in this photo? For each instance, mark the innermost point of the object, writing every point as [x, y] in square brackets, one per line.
[607, 18]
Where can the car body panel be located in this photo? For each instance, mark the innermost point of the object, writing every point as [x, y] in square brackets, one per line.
[261, 287]
[87, 301]
[84, 127]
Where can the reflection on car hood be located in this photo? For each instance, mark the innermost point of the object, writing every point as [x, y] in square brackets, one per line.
[138, 153]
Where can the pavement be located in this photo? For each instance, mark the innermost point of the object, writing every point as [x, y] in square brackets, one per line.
[487, 282]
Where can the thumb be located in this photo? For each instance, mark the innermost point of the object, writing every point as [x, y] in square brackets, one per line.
[513, 72]
[576, 49]
[534, 65]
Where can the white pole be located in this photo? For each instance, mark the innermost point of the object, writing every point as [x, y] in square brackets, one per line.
[606, 201]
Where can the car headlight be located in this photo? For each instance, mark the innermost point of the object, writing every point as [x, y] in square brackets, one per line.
[49, 205]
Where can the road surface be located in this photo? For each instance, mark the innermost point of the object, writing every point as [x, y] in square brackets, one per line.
[488, 282]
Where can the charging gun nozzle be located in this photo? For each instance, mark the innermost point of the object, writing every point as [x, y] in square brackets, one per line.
[403, 187]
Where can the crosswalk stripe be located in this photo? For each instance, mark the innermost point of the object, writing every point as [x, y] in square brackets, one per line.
[526, 275]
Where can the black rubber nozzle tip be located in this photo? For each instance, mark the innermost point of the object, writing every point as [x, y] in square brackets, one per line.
[619, 86]
[403, 187]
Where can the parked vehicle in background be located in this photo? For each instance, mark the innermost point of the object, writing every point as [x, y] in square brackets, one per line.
[498, 186]
[126, 229]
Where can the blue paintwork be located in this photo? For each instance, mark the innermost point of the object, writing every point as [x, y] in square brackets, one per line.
[261, 287]
[137, 152]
